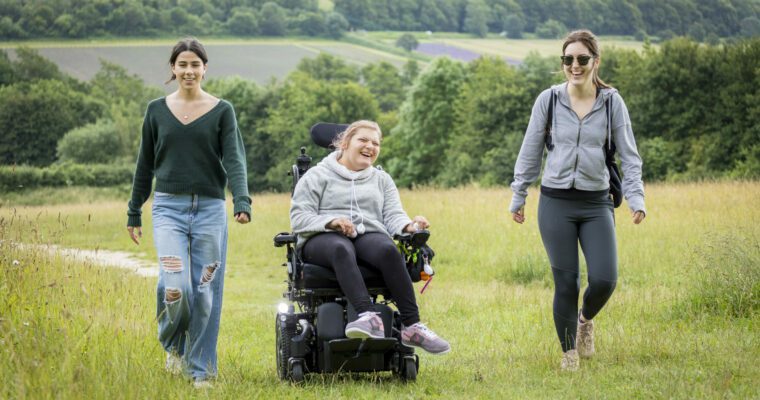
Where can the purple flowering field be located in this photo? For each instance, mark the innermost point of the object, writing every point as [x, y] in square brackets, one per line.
[440, 49]
[457, 53]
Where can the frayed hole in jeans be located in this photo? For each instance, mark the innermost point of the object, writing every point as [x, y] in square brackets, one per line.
[209, 272]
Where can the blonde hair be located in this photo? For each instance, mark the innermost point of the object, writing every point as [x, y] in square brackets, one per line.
[587, 38]
[342, 139]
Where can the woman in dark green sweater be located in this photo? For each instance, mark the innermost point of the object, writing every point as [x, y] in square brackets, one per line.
[192, 145]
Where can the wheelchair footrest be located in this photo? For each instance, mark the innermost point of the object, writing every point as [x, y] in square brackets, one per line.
[354, 346]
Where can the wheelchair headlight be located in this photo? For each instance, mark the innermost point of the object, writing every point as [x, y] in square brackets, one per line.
[282, 308]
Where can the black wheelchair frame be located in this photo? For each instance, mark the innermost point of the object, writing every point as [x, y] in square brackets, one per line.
[312, 339]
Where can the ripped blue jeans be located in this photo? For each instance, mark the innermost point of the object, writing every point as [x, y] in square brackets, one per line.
[190, 234]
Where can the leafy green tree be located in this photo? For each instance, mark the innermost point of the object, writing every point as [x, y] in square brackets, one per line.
[491, 115]
[31, 66]
[302, 102]
[551, 29]
[384, 82]
[514, 26]
[336, 25]
[311, 24]
[476, 19]
[37, 18]
[129, 19]
[252, 107]
[10, 30]
[415, 147]
[34, 116]
[328, 68]
[125, 97]
[7, 76]
[407, 42]
[272, 21]
[358, 13]
[409, 72]
[243, 22]
[499, 11]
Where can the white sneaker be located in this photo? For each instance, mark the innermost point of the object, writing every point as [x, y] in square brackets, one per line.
[585, 339]
[570, 361]
[173, 364]
[203, 384]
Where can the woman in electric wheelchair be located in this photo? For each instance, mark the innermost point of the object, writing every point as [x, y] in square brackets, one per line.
[345, 211]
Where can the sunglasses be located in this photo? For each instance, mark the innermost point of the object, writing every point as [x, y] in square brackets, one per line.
[582, 59]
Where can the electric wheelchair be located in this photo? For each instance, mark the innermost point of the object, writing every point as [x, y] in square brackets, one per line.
[312, 339]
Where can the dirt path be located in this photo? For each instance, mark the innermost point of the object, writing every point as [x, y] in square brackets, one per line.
[120, 259]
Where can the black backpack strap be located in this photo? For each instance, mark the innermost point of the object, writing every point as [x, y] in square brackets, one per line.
[550, 116]
[609, 143]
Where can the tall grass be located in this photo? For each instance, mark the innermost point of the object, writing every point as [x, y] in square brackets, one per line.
[76, 330]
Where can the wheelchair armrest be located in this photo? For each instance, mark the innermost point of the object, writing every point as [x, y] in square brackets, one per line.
[416, 239]
[283, 238]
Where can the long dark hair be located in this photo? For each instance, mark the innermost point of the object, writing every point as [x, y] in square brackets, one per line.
[589, 40]
[187, 44]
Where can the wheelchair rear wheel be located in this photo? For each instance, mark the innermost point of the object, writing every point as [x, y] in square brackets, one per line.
[284, 334]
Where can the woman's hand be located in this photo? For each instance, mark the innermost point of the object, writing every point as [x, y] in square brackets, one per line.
[135, 237]
[638, 216]
[418, 223]
[342, 225]
[519, 215]
[242, 218]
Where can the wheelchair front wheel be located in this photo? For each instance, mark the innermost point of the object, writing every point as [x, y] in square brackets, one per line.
[296, 373]
[409, 372]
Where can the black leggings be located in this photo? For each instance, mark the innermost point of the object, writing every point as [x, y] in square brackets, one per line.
[563, 224]
[374, 250]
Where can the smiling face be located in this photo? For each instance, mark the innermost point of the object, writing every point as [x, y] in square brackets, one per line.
[188, 69]
[577, 74]
[362, 149]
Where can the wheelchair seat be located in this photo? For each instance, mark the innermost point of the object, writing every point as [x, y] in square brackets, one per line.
[321, 277]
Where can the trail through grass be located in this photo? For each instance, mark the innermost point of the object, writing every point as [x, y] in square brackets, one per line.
[77, 330]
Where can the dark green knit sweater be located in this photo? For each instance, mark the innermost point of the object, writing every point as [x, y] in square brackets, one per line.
[197, 158]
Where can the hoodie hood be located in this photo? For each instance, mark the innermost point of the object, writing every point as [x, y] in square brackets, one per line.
[331, 163]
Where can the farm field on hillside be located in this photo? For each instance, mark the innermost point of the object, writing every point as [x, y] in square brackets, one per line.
[258, 60]
[683, 322]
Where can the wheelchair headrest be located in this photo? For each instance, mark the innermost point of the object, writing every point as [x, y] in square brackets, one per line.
[323, 133]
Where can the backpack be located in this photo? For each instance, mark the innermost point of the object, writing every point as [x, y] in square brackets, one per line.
[616, 187]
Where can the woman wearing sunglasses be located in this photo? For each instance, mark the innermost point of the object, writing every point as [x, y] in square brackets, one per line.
[575, 204]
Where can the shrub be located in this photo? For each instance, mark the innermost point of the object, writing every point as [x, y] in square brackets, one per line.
[96, 143]
[407, 42]
[551, 29]
[17, 178]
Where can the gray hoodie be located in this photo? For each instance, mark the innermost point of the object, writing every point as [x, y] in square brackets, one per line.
[329, 190]
[577, 160]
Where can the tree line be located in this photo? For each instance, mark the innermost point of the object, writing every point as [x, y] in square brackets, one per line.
[702, 20]
[94, 18]
[694, 108]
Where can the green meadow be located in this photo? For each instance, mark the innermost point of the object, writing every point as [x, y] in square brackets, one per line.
[683, 322]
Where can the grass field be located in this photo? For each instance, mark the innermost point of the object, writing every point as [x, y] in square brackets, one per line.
[683, 322]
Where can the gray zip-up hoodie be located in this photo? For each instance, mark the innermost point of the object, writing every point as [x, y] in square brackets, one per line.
[577, 160]
[329, 190]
